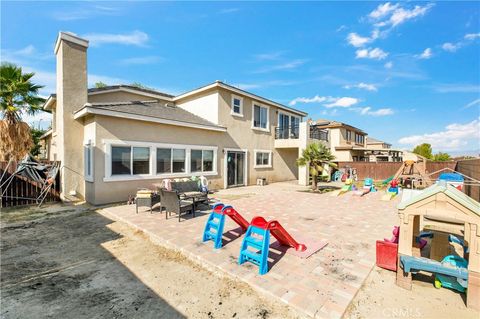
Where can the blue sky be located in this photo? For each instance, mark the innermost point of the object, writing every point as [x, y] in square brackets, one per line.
[406, 72]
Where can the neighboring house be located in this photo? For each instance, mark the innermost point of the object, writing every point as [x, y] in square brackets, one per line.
[45, 142]
[350, 144]
[114, 140]
[380, 151]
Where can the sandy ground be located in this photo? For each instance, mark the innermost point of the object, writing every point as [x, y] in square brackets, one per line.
[81, 265]
[380, 298]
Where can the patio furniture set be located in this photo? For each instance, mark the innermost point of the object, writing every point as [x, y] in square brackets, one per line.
[182, 197]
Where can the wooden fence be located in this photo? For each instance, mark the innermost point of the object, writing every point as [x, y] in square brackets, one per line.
[22, 190]
[471, 168]
[383, 170]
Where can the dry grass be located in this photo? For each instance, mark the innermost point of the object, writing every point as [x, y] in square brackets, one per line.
[15, 140]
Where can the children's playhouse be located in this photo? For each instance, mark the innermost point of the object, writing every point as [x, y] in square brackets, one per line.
[447, 213]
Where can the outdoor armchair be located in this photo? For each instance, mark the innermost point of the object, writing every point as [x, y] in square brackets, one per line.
[173, 204]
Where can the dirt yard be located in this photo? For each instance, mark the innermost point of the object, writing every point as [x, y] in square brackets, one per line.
[77, 264]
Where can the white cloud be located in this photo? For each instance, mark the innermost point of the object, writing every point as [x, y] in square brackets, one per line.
[86, 12]
[269, 56]
[382, 10]
[264, 84]
[137, 38]
[288, 65]
[363, 86]
[142, 60]
[426, 54]
[472, 36]
[341, 28]
[456, 88]
[343, 102]
[376, 54]
[331, 101]
[315, 99]
[23, 55]
[358, 41]
[388, 65]
[394, 15]
[451, 47]
[368, 111]
[455, 137]
[473, 103]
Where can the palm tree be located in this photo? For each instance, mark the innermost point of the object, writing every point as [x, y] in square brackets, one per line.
[18, 95]
[316, 156]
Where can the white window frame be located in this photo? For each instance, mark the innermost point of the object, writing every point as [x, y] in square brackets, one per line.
[267, 129]
[202, 150]
[88, 156]
[232, 112]
[269, 165]
[225, 167]
[153, 160]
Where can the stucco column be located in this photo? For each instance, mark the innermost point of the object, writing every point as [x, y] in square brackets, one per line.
[303, 173]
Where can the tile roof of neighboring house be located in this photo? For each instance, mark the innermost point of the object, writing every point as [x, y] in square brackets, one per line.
[333, 124]
[152, 109]
[371, 140]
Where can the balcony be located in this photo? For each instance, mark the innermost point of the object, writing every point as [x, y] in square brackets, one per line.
[288, 132]
[318, 134]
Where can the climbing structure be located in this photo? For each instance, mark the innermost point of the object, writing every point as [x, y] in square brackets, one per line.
[413, 172]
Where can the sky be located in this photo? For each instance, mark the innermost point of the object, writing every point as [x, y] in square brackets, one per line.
[404, 72]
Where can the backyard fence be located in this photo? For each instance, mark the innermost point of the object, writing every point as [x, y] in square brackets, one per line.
[383, 170]
[471, 168]
[22, 190]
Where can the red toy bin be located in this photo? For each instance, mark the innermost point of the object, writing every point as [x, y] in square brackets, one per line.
[387, 254]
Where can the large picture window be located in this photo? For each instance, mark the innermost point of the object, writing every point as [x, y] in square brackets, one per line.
[260, 117]
[137, 160]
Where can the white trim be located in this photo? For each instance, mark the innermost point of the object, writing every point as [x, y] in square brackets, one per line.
[225, 172]
[130, 90]
[270, 154]
[267, 129]
[240, 92]
[108, 143]
[232, 112]
[48, 102]
[88, 110]
[70, 37]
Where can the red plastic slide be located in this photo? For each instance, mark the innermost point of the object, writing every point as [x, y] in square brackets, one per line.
[278, 232]
[230, 211]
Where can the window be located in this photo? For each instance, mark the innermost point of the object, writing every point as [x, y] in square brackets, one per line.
[201, 160]
[88, 161]
[237, 105]
[141, 160]
[121, 160]
[263, 159]
[359, 139]
[178, 160]
[164, 160]
[349, 135]
[260, 117]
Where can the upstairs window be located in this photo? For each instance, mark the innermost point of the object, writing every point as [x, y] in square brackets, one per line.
[237, 105]
[359, 139]
[349, 135]
[260, 117]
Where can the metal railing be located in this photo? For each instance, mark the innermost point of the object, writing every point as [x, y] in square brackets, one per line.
[318, 134]
[287, 132]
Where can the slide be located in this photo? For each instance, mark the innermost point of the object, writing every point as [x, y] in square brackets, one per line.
[277, 231]
[230, 211]
[344, 189]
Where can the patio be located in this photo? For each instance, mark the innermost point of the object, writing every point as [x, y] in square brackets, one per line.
[323, 284]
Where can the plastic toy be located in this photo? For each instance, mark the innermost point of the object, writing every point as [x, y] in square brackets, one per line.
[392, 190]
[216, 223]
[455, 283]
[454, 179]
[345, 188]
[258, 239]
[367, 187]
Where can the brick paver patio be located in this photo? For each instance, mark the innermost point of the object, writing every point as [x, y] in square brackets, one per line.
[320, 286]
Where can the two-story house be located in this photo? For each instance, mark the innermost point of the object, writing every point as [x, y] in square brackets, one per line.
[116, 139]
[380, 151]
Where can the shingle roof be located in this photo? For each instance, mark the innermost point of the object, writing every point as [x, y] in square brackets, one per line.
[131, 87]
[153, 109]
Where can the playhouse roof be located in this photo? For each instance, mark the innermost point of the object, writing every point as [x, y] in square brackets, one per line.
[448, 190]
